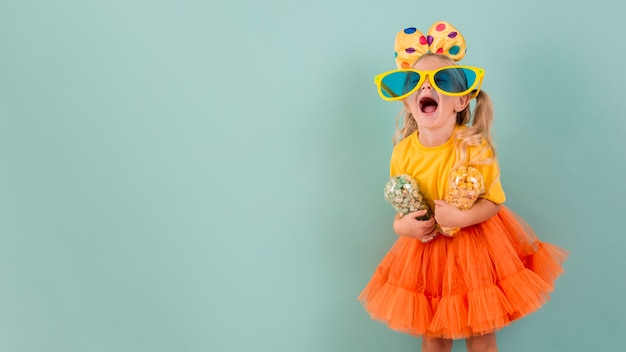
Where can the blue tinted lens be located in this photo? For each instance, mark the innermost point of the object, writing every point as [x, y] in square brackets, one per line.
[455, 80]
[398, 83]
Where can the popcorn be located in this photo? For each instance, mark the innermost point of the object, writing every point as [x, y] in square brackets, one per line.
[403, 193]
[466, 184]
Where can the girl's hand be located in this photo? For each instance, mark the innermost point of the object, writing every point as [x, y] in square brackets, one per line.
[447, 215]
[409, 226]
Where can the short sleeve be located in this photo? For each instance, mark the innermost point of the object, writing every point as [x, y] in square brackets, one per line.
[394, 164]
[490, 170]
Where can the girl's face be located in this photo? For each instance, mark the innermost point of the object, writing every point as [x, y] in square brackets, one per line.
[429, 108]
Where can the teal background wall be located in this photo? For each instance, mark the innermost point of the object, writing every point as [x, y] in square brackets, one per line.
[207, 176]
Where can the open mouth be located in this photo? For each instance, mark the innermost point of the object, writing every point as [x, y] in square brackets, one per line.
[428, 105]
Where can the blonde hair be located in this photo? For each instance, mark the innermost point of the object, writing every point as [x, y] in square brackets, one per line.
[477, 133]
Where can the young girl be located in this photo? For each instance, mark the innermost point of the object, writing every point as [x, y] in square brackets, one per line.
[494, 269]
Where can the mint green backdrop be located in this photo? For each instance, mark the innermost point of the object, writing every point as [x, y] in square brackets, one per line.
[207, 176]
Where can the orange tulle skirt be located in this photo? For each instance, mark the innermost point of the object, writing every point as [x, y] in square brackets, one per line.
[474, 283]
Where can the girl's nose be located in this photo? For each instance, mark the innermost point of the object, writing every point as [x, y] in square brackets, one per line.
[425, 85]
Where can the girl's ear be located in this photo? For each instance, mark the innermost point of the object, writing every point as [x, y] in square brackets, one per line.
[462, 103]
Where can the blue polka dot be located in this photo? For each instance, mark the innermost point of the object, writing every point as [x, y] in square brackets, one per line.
[410, 30]
[395, 54]
[454, 50]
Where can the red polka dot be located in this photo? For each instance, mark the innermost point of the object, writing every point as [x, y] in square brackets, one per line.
[440, 50]
[423, 40]
[405, 64]
[440, 27]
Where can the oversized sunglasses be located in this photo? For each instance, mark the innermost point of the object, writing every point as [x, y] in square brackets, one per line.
[449, 80]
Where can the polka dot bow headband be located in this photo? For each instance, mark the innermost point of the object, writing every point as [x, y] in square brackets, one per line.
[442, 38]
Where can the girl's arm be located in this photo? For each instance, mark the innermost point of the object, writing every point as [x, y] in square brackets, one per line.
[448, 215]
[409, 226]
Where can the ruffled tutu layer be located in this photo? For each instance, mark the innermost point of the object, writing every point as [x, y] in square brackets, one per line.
[472, 284]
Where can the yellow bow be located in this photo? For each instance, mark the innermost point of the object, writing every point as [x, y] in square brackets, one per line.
[442, 38]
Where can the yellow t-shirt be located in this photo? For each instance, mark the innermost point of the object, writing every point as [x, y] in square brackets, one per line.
[431, 166]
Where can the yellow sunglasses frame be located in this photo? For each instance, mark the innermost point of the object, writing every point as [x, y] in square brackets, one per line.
[474, 88]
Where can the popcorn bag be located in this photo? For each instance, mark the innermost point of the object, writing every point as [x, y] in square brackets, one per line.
[403, 193]
[466, 184]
